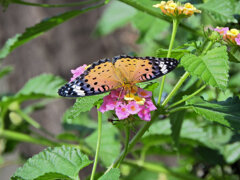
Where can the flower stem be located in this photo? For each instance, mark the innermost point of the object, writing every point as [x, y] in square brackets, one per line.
[127, 134]
[2, 116]
[98, 143]
[174, 31]
[32, 122]
[135, 139]
[26, 138]
[188, 97]
[53, 5]
[210, 44]
[176, 87]
[27, 118]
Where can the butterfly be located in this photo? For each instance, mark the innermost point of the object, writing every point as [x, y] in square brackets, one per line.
[119, 72]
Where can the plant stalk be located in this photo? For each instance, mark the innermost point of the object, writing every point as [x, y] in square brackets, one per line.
[127, 134]
[174, 31]
[98, 143]
[188, 97]
[176, 87]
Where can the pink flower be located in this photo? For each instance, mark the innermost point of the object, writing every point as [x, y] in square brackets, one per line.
[149, 105]
[237, 39]
[77, 72]
[145, 114]
[133, 107]
[124, 106]
[122, 111]
[143, 93]
[222, 30]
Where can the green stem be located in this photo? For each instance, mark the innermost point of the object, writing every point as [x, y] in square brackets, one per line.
[188, 97]
[136, 138]
[32, 122]
[210, 44]
[2, 116]
[152, 12]
[160, 169]
[53, 5]
[98, 143]
[26, 138]
[174, 31]
[176, 87]
[127, 134]
[27, 118]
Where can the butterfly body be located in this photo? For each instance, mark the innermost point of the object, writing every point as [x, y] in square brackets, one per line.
[122, 71]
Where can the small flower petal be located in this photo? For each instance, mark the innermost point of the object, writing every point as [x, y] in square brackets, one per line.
[149, 105]
[133, 107]
[237, 39]
[222, 30]
[143, 93]
[122, 112]
[77, 72]
[145, 114]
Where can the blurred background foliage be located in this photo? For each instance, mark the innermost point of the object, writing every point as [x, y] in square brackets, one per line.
[41, 39]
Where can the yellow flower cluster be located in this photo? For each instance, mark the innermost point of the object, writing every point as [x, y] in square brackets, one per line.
[170, 8]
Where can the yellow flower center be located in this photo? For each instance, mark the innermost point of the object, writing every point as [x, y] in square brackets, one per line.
[172, 5]
[233, 32]
[139, 100]
[129, 97]
[189, 6]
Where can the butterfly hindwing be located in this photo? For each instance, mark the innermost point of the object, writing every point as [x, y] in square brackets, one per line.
[97, 79]
[141, 69]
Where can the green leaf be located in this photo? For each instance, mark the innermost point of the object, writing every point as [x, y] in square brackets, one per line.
[110, 144]
[234, 54]
[231, 152]
[38, 29]
[84, 104]
[116, 15]
[83, 123]
[226, 112]
[212, 136]
[64, 161]
[43, 86]
[7, 46]
[6, 70]
[148, 27]
[221, 10]
[212, 68]
[175, 53]
[176, 120]
[113, 174]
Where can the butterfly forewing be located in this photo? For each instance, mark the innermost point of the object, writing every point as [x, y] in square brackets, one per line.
[98, 78]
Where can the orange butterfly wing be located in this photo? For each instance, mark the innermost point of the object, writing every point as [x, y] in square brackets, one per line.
[105, 75]
[141, 69]
[100, 77]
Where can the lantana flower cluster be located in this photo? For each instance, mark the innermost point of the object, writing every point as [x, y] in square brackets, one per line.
[231, 36]
[126, 103]
[172, 9]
